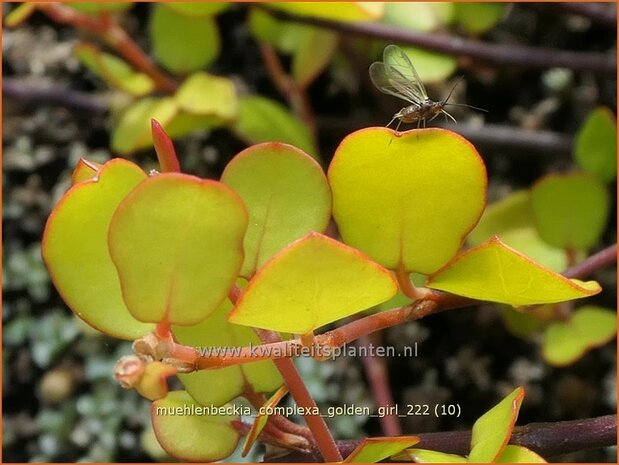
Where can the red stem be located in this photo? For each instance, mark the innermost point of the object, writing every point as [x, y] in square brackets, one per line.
[107, 29]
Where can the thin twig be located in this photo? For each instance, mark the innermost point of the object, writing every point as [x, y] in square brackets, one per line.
[30, 94]
[378, 377]
[322, 436]
[547, 439]
[296, 96]
[499, 54]
[600, 13]
[602, 259]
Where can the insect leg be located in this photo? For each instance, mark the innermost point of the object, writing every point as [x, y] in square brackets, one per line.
[447, 114]
[390, 122]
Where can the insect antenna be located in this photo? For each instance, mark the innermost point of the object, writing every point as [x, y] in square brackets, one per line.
[444, 102]
[467, 106]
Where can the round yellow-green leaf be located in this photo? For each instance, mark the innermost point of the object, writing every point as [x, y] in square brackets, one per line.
[571, 211]
[205, 94]
[76, 254]
[595, 147]
[589, 327]
[431, 66]
[286, 194]
[407, 199]
[133, 131]
[512, 219]
[519, 454]
[264, 120]
[187, 433]
[374, 450]
[312, 282]
[177, 243]
[198, 8]
[495, 272]
[338, 11]
[491, 431]
[216, 332]
[114, 70]
[478, 17]
[314, 53]
[418, 16]
[183, 43]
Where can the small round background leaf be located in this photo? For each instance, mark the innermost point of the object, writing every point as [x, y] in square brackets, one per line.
[571, 211]
[595, 148]
[588, 327]
[183, 43]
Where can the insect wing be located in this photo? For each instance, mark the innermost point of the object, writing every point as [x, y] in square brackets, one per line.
[403, 74]
[378, 75]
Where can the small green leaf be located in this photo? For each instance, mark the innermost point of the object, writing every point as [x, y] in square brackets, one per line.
[428, 456]
[198, 8]
[182, 43]
[595, 148]
[373, 450]
[431, 66]
[571, 211]
[205, 94]
[176, 242]
[264, 120]
[261, 419]
[114, 71]
[418, 16]
[478, 17]
[519, 454]
[133, 131]
[286, 194]
[512, 219]
[313, 55]
[75, 250]
[522, 323]
[312, 282]
[285, 36]
[338, 11]
[188, 434]
[19, 14]
[491, 431]
[495, 272]
[407, 199]
[588, 327]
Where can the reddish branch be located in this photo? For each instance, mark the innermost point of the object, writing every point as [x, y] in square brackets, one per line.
[498, 54]
[378, 378]
[288, 88]
[602, 259]
[109, 30]
[547, 439]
